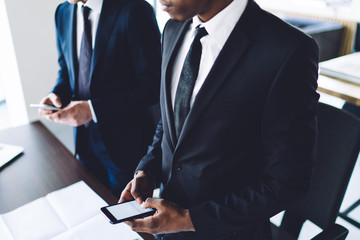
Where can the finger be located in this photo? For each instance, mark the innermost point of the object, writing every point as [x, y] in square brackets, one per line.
[139, 200]
[60, 117]
[126, 194]
[48, 100]
[135, 192]
[129, 223]
[56, 116]
[55, 100]
[51, 117]
[45, 100]
[47, 117]
[153, 203]
[44, 112]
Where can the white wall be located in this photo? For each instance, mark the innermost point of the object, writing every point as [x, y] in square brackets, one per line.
[10, 83]
[346, 11]
[32, 30]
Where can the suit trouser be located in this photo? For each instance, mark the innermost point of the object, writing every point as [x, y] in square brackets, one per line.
[93, 154]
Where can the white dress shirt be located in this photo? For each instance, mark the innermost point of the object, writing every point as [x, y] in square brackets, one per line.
[219, 29]
[94, 15]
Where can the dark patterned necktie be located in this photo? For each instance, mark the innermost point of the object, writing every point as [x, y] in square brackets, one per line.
[85, 57]
[187, 80]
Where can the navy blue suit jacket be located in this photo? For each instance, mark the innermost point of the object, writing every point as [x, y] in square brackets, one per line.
[247, 147]
[125, 74]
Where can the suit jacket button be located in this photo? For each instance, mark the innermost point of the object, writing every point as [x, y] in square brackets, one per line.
[178, 166]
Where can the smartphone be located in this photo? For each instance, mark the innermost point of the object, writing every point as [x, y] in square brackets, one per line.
[126, 211]
[44, 106]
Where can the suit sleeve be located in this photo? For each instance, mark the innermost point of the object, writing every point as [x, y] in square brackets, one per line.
[143, 38]
[288, 141]
[62, 86]
[151, 162]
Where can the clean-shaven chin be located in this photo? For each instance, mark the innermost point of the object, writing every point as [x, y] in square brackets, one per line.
[165, 7]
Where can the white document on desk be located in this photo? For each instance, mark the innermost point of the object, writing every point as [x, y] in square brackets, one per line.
[71, 213]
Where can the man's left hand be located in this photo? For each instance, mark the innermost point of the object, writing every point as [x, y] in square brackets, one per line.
[75, 114]
[168, 218]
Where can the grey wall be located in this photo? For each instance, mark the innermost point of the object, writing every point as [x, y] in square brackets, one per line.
[33, 32]
[32, 29]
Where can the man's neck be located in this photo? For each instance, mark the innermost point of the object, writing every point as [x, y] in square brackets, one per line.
[213, 8]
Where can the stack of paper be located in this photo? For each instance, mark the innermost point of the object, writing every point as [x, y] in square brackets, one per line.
[345, 68]
[72, 213]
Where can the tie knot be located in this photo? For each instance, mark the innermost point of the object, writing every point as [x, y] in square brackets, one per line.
[85, 11]
[200, 32]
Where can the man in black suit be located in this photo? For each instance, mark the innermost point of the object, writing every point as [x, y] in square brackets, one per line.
[109, 77]
[246, 147]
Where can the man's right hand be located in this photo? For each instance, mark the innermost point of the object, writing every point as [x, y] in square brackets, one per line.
[53, 100]
[139, 188]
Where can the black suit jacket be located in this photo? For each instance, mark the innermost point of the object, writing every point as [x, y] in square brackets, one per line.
[247, 148]
[125, 74]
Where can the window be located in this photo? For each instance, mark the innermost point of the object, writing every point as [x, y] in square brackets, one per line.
[161, 16]
[12, 104]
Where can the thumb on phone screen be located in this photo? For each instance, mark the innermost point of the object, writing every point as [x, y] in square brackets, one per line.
[55, 100]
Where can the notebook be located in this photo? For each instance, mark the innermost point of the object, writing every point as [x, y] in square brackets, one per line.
[8, 153]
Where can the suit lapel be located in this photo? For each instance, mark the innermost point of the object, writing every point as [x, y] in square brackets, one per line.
[173, 42]
[237, 42]
[108, 16]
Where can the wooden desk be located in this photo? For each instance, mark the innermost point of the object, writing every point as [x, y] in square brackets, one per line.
[347, 91]
[45, 166]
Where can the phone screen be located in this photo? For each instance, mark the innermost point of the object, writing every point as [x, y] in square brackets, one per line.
[125, 211]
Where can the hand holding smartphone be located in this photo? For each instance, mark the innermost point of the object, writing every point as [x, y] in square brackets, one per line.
[126, 211]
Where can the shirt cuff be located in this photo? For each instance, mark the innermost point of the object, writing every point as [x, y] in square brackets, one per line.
[92, 112]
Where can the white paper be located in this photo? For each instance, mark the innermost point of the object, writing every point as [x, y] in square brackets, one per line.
[35, 220]
[88, 230]
[72, 213]
[4, 231]
[75, 204]
[69, 235]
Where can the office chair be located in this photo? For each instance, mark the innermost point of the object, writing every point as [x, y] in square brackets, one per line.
[357, 39]
[356, 111]
[338, 147]
[328, 35]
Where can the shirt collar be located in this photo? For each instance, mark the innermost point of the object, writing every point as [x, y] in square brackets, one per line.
[221, 25]
[94, 5]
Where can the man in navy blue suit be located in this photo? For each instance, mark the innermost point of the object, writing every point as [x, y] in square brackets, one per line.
[236, 141]
[109, 58]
